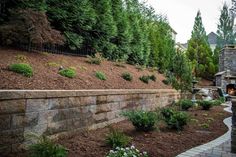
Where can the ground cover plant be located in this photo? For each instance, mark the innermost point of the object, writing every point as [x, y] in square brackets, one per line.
[46, 148]
[185, 104]
[127, 152]
[100, 75]
[96, 59]
[70, 73]
[116, 138]
[22, 68]
[206, 105]
[127, 76]
[142, 120]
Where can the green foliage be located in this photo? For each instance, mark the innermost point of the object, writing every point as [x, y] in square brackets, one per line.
[204, 125]
[45, 148]
[100, 75]
[70, 73]
[185, 104]
[126, 152]
[178, 120]
[22, 68]
[127, 76]
[206, 105]
[144, 79]
[153, 78]
[142, 120]
[225, 32]
[166, 82]
[174, 119]
[117, 139]
[199, 51]
[97, 59]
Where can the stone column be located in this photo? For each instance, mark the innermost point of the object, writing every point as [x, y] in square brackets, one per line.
[233, 133]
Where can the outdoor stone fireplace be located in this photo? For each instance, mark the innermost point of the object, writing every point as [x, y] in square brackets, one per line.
[226, 77]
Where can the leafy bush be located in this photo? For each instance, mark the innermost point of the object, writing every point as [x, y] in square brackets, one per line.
[167, 113]
[100, 75]
[185, 104]
[120, 63]
[144, 78]
[127, 76]
[174, 119]
[206, 105]
[142, 120]
[46, 148]
[178, 120]
[166, 82]
[97, 59]
[127, 152]
[139, 67]
[153, 78]
[70, 73]
[22, 68]
[117, 139]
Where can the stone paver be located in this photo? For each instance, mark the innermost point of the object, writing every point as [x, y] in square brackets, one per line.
[219, 147]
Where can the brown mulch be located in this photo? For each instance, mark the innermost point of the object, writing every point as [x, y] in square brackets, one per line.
[47, 77]
[160, 143]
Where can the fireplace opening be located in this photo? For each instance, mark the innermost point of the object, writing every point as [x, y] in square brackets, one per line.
[231, 89]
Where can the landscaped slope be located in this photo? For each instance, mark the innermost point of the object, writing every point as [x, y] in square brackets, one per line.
[46, 73]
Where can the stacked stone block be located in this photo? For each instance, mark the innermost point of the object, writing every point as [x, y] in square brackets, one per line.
[56, 113]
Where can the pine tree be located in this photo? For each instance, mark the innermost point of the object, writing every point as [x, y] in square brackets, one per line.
[199, 51]
[225, 28]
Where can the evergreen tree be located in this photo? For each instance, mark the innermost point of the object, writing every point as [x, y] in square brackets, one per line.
[225, 28]
[105, 29]
[199, 51]
[75, 18]
[123, 37]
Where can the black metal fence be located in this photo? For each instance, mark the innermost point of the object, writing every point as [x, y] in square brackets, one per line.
[55, 49]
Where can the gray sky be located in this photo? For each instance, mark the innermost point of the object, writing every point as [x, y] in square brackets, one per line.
[181, 14]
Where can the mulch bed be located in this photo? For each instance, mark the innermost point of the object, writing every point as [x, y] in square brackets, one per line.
[46, 73]
[160, 143]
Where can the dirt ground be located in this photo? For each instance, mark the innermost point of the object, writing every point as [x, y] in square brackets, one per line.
[162, 142]
[46, 73]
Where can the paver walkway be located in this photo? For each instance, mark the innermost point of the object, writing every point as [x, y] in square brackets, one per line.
[219, 147]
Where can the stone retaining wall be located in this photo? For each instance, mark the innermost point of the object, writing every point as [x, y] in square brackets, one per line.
[55, 113]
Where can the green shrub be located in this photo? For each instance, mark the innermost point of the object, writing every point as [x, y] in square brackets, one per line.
[153, 78]
[166, 82]
[140, 67]
[126, 152]
[127, 76]
[174, 119]
[97, 59]
[178, 120]
[100, 75]
[206, 105]
[117, 139]
[144, 79]
[142, 120]
[216, 102]
[185, 104]
[22, 68]
[70, 73]
[46, 148]
[167, 113]
[120, 63]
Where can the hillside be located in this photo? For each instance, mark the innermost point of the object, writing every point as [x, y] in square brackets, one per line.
[46, 73]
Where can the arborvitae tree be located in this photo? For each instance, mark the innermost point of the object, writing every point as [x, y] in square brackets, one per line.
[199, 51]
[225, 28]
[105, 29]
[182, 72]
[75, 18]
[123, 37]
